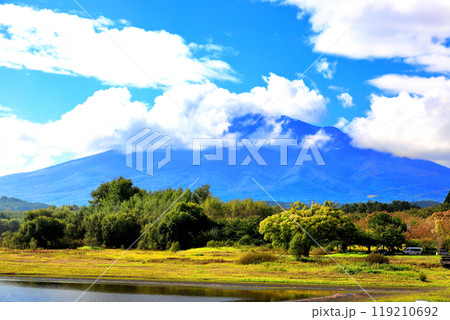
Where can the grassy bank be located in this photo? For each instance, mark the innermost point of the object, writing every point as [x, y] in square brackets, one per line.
[223, 265]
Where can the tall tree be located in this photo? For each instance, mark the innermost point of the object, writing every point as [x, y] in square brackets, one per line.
[387, 230]
[114, 192]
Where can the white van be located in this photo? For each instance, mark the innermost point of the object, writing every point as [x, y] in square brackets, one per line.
[413, 251]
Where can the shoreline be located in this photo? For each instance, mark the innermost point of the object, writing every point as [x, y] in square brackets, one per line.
[220, 269]
[216, 285]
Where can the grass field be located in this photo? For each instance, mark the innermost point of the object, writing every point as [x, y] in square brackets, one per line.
[221, 265]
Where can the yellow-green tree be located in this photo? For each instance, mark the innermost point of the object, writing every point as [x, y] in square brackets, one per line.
[324, 223]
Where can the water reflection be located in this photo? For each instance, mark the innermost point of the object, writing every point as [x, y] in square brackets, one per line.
[54, 290]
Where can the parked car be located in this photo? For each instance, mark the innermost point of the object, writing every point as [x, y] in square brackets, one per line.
[442, 252]
[416, 251]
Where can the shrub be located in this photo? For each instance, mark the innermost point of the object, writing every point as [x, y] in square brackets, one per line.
[33, 244]
[393, 267]
[175, 246]
[353, 270]
[422, 277]
[217, 244]
[299, 246]
[257, 257]
[349, 269]
[245, 240]
[330, 247]
[213, 244]
[376, 258]
[317, 252]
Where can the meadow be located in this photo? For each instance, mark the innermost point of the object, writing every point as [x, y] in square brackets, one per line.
[412, 277]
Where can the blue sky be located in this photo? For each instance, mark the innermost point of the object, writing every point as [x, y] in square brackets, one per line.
[262, 38]
[228, 45]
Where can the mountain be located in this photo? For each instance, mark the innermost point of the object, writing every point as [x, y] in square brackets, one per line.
[426, 204]
[349, 175]
[14, 204]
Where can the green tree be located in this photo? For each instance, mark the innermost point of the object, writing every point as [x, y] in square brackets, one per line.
[202, 193]
[33, 214]
[215, 208]
[93, 225]
[346, 233]
[113, 192]
[447, 199]
[387, 230]
[183, 224]
[46, 232]
[9, 225]
[120, 229]
[366, 239]
[324, 223]
[299, 245]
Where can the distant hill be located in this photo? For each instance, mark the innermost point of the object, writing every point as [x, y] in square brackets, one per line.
[426, 204]
[14, 204]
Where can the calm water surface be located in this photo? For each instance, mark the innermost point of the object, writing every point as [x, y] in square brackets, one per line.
[66, 290]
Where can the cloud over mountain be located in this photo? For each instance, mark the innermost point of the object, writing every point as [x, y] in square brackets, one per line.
[412, 123]
[109, 117]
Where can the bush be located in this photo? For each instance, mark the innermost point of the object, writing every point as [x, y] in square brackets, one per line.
[376, 258]
[175, 246]
[393, 267]
[317, 252]
[213, 244]
[33, 244]
[299, 246]
[422, 277]
[245, 240]
[257, 257]
[218, 244]
[330, 247]
[352, 270]
[184, 224]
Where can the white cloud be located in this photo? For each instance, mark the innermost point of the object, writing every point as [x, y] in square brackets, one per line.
[346, 100]
[413, 123]
[91, 127]
[109, 117]
[214, 108]
[4, 110]
[342, 122]
[326, 68]
[408, 29]
[68, 44]
[320, 139]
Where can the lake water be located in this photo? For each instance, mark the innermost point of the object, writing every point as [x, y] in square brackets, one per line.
[67, 290]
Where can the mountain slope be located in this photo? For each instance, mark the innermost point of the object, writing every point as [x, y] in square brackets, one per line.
[350, 175]
[14, 204]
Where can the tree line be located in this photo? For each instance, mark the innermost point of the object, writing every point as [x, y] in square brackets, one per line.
[121, 215]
